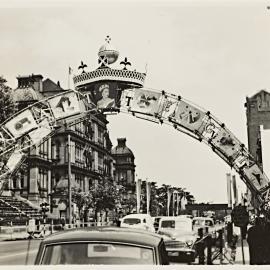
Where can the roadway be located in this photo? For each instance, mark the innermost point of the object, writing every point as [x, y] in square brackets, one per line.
[18, 252]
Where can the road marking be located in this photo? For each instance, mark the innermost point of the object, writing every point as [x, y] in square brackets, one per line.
[18, 254]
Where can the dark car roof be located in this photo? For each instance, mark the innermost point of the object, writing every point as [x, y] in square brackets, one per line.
[105, 234]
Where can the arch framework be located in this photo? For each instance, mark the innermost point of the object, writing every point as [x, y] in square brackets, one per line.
[34, 124]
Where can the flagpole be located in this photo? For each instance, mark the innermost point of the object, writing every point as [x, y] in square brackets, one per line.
[68, 77]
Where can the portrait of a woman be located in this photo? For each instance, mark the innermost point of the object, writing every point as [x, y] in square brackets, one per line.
[105, 101]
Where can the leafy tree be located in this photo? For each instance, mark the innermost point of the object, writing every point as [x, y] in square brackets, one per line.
[105, 196]
[7, 105]
[81, 199]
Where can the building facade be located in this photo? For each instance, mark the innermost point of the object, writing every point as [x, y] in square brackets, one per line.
[124, 165]
[45, 173]
[258, 116]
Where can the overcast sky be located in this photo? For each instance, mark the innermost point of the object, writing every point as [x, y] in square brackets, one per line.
[213, 53]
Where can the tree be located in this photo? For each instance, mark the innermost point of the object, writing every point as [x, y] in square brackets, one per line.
[7, 105]
[105, 196]
[82, 200]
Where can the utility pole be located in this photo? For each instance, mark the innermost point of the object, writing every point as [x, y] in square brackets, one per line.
[69, 182]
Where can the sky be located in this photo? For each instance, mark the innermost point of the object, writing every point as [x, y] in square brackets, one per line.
[213, 53]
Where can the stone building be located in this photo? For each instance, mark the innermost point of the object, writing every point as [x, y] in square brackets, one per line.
[124, 165]
[45, 176]
[258, 114]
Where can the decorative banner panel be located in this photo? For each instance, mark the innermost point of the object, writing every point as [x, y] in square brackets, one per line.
[145, 102]
[226, 142]
[21, 124]
[126, 98]
[14, 160]
[41, 132]
[256, 177]
[209, 129]
[168, 107]
[242, 160]
[189, 116]
[65, 105]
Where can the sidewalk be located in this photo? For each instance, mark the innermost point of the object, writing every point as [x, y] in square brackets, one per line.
[17, 236]
[238, 257]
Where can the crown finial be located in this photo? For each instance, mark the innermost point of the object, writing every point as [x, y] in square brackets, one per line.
[108, 39]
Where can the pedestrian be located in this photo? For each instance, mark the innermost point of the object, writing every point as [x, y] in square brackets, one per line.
[256, 242]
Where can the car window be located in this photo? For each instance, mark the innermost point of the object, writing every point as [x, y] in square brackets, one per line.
[199, 222]
[97, 253]
[208, 223]
[131, 221]
[168, 224]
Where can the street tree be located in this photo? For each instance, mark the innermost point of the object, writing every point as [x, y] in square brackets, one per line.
[7, 105]
[82, 200]
[105, 196]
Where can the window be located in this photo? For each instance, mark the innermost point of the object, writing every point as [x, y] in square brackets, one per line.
[43, 150]
[168, 224]
[97, 253]
[131, 221]
[100, 136]
[57, 150]
[43, 178]
[100, 162]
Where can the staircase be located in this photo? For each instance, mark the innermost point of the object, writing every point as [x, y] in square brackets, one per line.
[11, 209]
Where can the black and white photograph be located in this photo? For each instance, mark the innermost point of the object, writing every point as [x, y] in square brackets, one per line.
[134, 133]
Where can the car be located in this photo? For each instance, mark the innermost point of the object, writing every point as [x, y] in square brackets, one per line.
[203, 222]
[179, 238]
[181, 223]
[138, 221]
[102, 245]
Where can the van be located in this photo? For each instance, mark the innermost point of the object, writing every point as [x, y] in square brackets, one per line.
[178, 223]
[138, 221]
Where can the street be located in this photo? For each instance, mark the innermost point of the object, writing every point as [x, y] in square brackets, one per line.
[15, 252]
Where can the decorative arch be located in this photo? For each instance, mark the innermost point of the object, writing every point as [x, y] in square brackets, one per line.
[36, 123]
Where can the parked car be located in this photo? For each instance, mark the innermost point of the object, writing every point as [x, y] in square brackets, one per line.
[179, 238]
[138, 221]
[102, 245]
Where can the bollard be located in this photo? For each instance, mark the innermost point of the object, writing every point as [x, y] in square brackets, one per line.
[201, 246]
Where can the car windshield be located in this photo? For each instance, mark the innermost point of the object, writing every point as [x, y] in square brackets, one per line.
[97, 253]
[199, 222]
[132, 221]
[202, 222]
[167, 224]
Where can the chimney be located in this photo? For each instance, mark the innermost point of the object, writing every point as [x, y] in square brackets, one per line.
[121, 142]
[58, 84]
